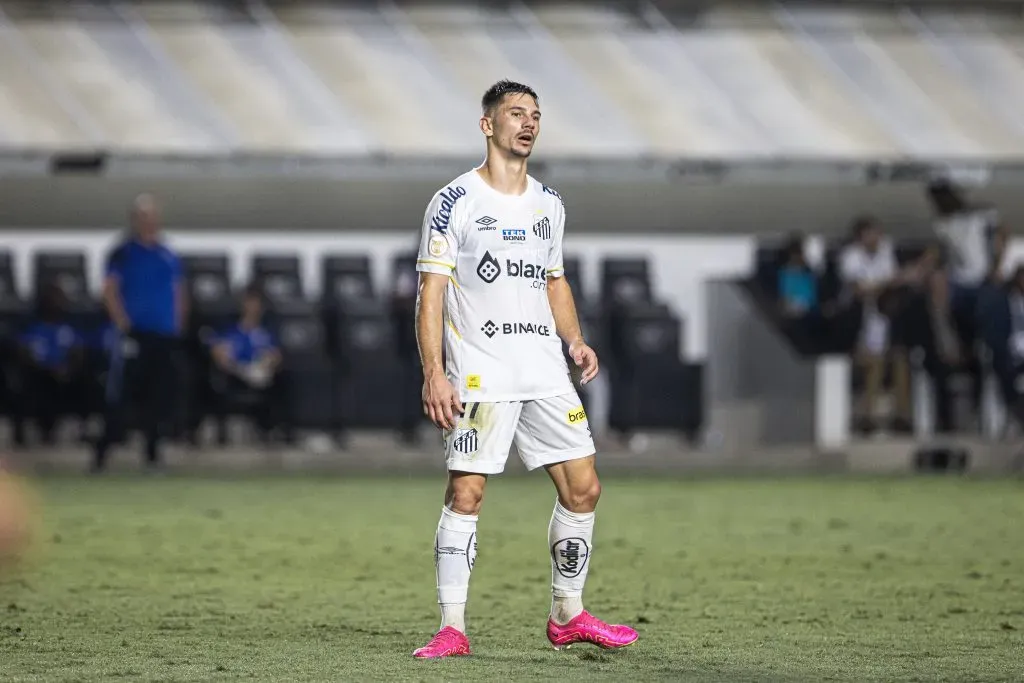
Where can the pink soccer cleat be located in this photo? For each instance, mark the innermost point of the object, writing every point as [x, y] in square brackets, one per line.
[586, 628]
[449, 642]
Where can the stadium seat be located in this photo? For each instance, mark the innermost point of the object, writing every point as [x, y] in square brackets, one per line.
[14, 313]
[213, 307]
[625, 281]
[370, 375]
[346, 277]
[649, 389]
[574, 276]
[279, 277]
[766, 270]
[308, 370]
[67, 270]
[208, 279]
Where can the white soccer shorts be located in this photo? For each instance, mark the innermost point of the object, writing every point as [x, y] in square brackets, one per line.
[545, 431]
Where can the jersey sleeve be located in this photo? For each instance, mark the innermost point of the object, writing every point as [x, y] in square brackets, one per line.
[555, 267]
[177, 272]
[115, 261]
[439, 239]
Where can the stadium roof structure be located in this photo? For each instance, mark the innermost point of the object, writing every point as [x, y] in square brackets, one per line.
[704, 90]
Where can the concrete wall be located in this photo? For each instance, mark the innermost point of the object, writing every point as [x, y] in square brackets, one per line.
[594, 205]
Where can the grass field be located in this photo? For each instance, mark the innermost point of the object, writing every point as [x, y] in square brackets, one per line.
[301, 579]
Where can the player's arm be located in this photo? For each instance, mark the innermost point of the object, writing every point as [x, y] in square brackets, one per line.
[181, 297]
[435, 263]
[1000, 240]
[563, 308]
[430, 322]
[112, 290]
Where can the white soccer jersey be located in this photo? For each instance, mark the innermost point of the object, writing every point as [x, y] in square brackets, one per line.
[499, 250]
[968, 236]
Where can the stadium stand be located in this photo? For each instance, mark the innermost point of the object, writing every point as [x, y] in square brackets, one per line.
[733, 83]
[751, 81]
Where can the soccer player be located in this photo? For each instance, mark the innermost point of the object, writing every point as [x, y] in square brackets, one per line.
[491, 293]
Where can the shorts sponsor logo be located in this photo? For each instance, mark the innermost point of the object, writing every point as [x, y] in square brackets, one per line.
[438, 245]
[449, 196]
[513, 235]
[465, 441]
[473, 382]
[542, 229]
[491, 328]
[576, 415]
[570, 556]
[486, 223]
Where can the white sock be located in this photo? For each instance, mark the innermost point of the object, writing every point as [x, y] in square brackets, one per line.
[454, 555]
[570, 537]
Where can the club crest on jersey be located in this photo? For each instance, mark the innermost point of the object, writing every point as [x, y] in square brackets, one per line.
[448, 196]
[542, 229]
[513, 235]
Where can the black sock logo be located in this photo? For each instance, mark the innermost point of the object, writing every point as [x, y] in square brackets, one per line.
[570, 556]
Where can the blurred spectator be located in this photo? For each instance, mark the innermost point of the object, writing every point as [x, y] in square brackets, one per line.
[975, 243]
[144, 296]
[50, 369]
[1004, 335]
[798, 295]
[798, 284]
[875, 301]
[249, 363]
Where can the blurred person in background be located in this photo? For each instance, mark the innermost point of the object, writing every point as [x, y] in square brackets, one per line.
[975, 242]
[249, 361]
[51, 363]
[798, 283]
[875, 296]
[1004, 334]
[144, 296]
[799, 293]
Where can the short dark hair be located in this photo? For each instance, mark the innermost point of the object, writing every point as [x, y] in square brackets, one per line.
[254, 290]
[496, 93]
[862, 224]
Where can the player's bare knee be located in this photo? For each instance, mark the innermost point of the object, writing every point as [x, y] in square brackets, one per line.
[583, 495]
[465, 496]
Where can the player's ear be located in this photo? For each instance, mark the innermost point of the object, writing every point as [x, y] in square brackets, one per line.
[486, 126]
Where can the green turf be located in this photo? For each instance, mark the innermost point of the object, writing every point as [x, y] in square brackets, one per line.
[299, 579]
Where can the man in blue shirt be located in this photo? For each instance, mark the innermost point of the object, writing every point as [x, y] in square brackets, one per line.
[144, 297]
[50, 362]
[248, 360]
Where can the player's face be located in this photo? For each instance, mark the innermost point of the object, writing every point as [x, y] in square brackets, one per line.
[515, 125]
[147, 224]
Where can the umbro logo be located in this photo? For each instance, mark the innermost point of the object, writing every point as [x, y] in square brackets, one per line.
[486, 223]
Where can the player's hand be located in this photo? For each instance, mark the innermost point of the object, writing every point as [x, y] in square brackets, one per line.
[586, 359]
[441, 402]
